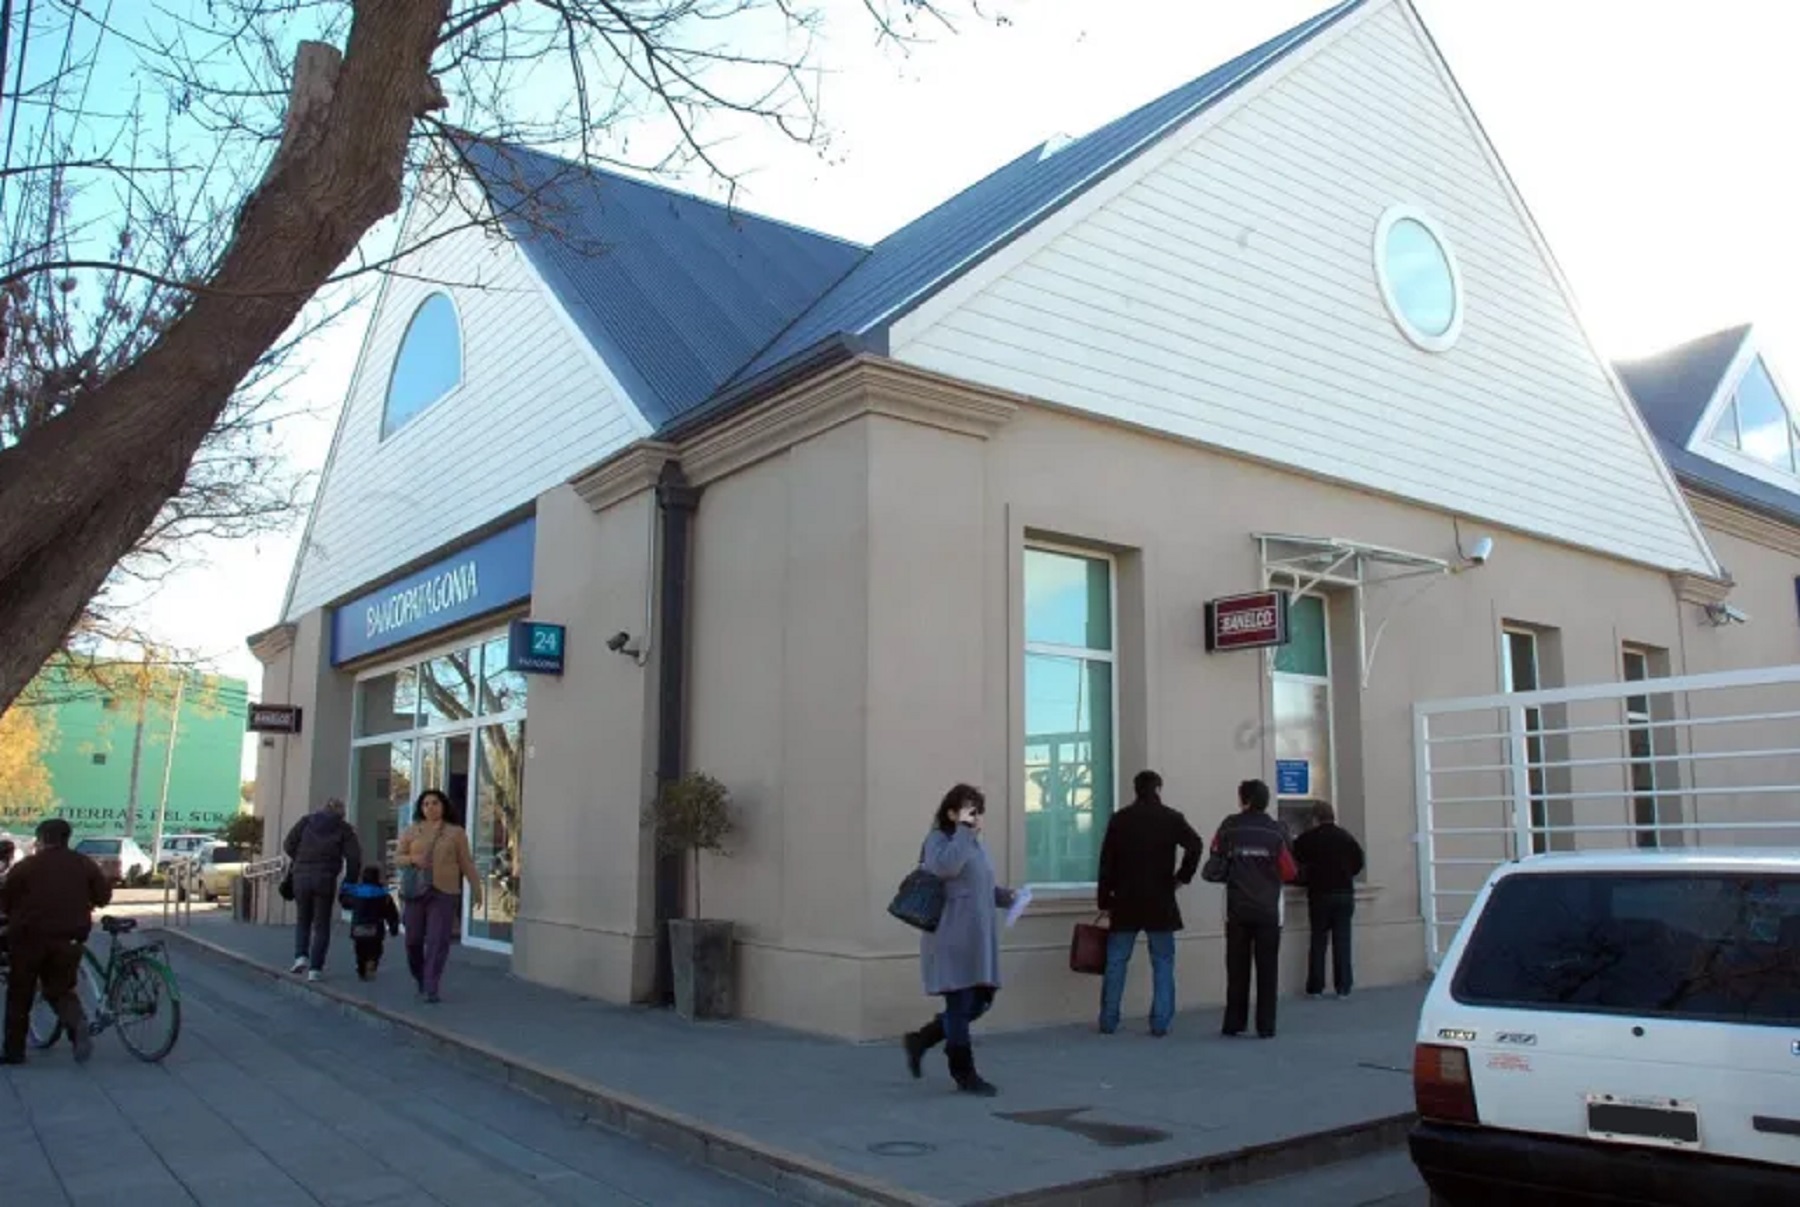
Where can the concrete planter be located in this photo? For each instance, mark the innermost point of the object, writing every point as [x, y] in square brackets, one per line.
[702, 952]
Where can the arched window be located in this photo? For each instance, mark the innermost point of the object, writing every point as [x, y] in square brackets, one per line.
[428, 367]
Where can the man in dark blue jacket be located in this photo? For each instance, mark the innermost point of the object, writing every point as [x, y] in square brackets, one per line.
[321, 845]
[1255, 850]
[1330, 860]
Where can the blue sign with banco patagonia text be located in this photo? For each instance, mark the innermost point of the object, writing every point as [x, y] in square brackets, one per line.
[471, 582]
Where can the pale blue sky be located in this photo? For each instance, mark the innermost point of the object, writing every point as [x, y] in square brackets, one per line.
[1648, 139]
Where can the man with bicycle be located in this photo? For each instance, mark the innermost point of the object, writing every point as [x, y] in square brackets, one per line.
[48, 900]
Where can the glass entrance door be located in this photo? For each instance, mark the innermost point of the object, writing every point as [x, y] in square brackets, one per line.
[494, 833]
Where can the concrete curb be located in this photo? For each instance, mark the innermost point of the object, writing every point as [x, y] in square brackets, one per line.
[808, 1181]
[788, 1174]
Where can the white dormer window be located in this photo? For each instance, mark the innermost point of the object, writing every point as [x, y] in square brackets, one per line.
[1756, 424]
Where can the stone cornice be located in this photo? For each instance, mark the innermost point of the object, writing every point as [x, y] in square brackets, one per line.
[272, 643]
[1699, 589]
[1742, 522]
[867, 385]
[630, 471]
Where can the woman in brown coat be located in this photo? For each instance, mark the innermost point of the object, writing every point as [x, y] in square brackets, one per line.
[440, 849]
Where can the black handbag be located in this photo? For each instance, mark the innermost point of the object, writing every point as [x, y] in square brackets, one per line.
[1216, 869]
[286, 887]
[919, 901]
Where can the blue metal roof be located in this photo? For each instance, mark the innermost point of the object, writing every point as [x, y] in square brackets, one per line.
[1672, 390]
[927, 254]
[675, 292]
[698, 308]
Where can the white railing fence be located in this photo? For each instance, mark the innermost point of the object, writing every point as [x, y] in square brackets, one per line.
[1690, 761]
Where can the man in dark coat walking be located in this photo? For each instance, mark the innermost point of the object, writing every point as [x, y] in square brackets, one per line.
[321, 845]
[49, 900]
[1137, 890]
[1330, 860]
[1258, 863]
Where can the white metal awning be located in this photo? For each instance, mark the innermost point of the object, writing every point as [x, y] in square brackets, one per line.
[1357, 565]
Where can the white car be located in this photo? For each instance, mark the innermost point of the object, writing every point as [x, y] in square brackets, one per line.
[120, 858]
[182, 846]
[1618, 1027]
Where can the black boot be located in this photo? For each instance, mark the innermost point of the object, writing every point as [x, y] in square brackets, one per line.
[920, 1042]
[962, 1068]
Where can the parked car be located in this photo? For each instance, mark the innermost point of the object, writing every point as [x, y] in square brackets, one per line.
[180, 846]
[217, 866]
[1618, 1027]
[120, 858]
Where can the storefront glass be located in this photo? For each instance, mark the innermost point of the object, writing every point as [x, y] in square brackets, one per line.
[455, 722]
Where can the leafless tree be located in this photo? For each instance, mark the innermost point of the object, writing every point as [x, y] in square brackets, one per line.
[164, 247]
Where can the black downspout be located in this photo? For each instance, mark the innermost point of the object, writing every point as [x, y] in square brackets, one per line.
[677, 501]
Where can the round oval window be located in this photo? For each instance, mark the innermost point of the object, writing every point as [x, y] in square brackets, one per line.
[1420, 281]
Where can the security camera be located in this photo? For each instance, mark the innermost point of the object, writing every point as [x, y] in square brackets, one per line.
[1721, 614]
[618, 641]
[1482, 550]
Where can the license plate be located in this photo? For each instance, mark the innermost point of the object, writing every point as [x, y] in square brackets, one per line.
[1668, 1122]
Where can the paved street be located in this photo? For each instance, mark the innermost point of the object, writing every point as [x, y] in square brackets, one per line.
[1385, 1180]
[273, 1099]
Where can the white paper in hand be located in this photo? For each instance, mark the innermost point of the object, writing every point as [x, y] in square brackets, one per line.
[1021, 899]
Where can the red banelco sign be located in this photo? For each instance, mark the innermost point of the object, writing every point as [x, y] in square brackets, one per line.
[1247, 622]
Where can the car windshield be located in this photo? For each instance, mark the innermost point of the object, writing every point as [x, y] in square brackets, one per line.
[1699, 946]
[227, 855]
[98, 846]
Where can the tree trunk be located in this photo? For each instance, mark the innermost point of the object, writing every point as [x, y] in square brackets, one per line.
[77, 492]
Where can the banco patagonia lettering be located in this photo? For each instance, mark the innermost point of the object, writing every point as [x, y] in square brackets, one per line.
[451, 589]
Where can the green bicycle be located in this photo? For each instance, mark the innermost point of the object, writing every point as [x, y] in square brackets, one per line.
[134, 989]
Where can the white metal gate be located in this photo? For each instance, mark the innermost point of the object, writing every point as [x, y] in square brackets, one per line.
[1696, 760]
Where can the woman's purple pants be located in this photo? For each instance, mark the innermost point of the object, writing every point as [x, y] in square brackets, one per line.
[430, 921]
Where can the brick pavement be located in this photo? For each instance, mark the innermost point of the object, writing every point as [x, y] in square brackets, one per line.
[270, 1100]
[1193, 1101]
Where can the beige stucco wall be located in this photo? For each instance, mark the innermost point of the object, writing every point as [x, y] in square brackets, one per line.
[1763, 559]
[857, 648]
[585, 907]
[296, 772]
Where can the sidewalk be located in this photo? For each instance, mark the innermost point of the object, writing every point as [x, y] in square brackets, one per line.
[1081, 1118]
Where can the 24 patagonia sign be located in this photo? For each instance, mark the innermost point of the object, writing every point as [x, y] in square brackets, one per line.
[492, 573]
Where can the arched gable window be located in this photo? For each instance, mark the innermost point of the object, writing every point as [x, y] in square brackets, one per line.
[428, 366]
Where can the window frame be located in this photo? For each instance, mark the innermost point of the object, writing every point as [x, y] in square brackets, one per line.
[1706, 440]
[384, 431]
[1642, 720]
[1048, 649]
[1424, 340]
[1291, 584]
[1537, 776]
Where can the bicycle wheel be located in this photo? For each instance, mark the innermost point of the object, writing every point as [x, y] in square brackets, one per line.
[146, 1007]
[46, 1028]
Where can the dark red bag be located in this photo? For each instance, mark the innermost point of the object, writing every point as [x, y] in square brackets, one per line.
[1087, 948]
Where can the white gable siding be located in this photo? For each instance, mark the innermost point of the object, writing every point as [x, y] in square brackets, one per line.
[1228, 294]
[535, 406]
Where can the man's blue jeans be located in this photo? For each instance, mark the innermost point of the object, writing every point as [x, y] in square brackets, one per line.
[1119, 945]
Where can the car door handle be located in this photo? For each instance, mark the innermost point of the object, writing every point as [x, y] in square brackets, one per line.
[1775, 1125]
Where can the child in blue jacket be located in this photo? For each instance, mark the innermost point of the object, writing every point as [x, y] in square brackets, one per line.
[371, 911]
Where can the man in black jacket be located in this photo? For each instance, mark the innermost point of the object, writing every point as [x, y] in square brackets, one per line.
[321, 845]
[1137, 889]
[49, 900]
[1255, 850]
[1330, 860]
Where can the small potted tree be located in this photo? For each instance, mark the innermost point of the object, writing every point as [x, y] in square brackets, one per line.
[691, 816]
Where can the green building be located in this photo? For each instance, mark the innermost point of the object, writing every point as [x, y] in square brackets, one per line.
[83, 727]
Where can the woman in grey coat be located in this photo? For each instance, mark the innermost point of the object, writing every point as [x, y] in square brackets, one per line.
[960, 961]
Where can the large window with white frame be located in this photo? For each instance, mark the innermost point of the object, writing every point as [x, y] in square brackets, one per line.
[1071, 713]
[1646, 745]
[454, 720]
[428, 366]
